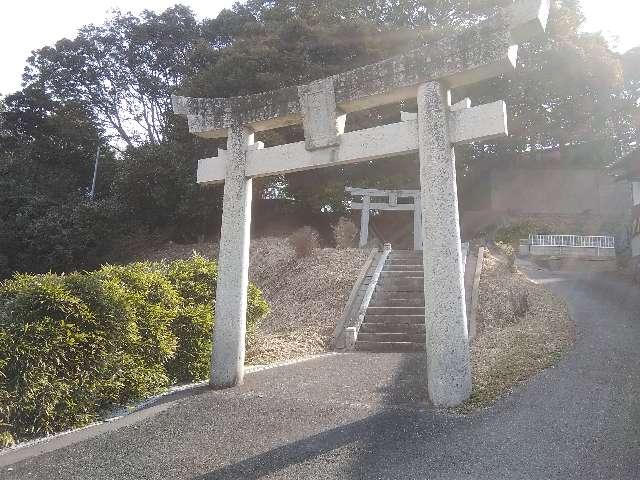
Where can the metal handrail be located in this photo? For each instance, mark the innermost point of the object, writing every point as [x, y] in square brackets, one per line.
[579, 241]
[351, 333]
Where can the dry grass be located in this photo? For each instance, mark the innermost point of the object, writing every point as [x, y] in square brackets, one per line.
[306, 295]
[304, 241]
[344, 233]
[509, 350]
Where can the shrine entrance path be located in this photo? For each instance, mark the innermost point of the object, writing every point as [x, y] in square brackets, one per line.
[353, 416]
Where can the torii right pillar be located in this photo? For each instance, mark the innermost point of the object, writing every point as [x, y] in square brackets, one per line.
[447, 338]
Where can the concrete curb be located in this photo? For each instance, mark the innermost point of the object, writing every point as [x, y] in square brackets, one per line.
[351, 333]
[338, 332]
[122, 417]
[473, 318]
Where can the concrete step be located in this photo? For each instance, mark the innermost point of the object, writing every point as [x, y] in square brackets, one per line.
[418, 301]
[399, 275]
[397, 282]
[410, 328]
[402, 264]
[398, 255]
[402, 268]
[404, 261]
[400, 290]
[395, 311]
[380, 294]
[397, 319]
[389, 347]
[391, 337]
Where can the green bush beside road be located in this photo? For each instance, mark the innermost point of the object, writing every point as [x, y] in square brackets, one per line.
[72, 346]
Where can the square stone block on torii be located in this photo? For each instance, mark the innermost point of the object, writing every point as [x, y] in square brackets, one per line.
[428, 73]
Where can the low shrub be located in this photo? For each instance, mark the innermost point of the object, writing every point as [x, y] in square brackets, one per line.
[196, 281]
[344, 233]
[509, 252]
[304, 241]
[512, 234]
[74, 345]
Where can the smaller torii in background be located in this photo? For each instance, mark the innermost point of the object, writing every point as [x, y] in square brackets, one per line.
[391, 204]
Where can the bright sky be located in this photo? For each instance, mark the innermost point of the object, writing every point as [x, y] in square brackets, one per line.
[26, 25]
[617, 19]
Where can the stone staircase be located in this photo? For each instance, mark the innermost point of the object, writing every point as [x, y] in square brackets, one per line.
[394, 321]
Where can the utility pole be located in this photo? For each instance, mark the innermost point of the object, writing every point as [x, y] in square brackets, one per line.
[95, 175]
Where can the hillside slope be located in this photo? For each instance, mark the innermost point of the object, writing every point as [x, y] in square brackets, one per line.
[306, 295]
[510, 349]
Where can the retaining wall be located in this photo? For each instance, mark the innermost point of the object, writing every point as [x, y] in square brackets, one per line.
[573, 252]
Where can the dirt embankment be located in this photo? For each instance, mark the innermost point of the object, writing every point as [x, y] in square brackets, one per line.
[306, 295]
[509, 348]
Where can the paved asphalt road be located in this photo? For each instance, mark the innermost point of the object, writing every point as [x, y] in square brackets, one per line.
[356, 416]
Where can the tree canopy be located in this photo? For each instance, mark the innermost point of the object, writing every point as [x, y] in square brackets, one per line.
[122, 71]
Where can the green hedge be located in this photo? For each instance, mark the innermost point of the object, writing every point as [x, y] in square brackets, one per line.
[74, 345]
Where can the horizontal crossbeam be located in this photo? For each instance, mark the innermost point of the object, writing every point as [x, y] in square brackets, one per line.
[480, 123]
[212, 169]
[467, 125]
[372, 192]
[355, 90]
[385, 206]
[359, 146]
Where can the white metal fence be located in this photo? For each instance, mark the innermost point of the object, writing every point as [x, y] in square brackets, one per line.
[572, 241]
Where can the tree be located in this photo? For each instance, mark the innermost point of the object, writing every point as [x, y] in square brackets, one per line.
[564, 92]
[122, 71]
[53, 144]
[112, 85]
[157, 186]
[631, 65]
[566, 95]
[264, 45]
[47, 150]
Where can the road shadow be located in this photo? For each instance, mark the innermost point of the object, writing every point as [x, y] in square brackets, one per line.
[373, 442]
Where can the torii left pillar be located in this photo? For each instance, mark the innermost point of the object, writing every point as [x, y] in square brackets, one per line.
[233, 272]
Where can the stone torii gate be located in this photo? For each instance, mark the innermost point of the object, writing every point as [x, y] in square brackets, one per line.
[391, 204]
[429, 74]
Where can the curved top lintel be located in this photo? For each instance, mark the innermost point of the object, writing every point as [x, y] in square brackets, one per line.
[475, 54]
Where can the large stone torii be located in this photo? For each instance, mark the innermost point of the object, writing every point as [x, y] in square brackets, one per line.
[429, 74]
